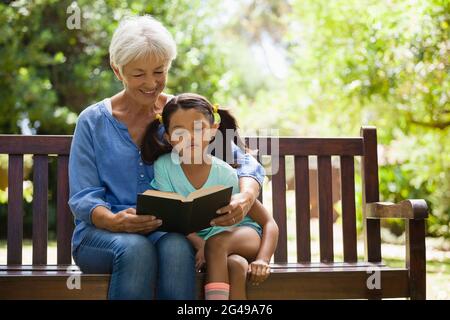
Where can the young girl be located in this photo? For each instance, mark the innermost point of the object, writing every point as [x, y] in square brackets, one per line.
[183, 164]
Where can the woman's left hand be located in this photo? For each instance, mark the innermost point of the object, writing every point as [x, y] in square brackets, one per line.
[235, 211]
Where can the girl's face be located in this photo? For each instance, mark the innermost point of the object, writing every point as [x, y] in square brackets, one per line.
[190, 132]
[144, 79]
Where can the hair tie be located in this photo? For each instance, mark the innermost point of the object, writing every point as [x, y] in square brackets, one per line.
[158, 116]
[216, 114]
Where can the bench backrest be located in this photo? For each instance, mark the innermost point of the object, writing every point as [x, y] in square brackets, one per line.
[42, 147]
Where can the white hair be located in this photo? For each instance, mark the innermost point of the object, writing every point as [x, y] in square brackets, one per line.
[141, 36]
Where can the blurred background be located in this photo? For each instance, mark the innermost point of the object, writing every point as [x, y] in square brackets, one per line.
[306, 68]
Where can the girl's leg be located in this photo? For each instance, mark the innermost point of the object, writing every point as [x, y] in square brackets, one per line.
[237, 274]
[243, 241]
[176, 268]
[130, 258]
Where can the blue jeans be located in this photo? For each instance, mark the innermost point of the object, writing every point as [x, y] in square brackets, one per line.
[140, 266]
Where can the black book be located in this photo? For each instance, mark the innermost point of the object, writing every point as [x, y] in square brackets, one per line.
[184, 214]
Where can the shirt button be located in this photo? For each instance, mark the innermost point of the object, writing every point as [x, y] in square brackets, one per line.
[140, 163]
[142, 175]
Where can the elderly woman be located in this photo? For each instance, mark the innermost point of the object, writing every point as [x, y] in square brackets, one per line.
[106, 172]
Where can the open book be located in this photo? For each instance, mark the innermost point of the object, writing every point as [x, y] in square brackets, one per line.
[184, 214]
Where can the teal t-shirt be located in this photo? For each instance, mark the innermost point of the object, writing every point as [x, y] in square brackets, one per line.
[169, 177]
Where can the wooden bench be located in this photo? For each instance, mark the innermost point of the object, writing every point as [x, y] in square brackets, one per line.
[303, 279]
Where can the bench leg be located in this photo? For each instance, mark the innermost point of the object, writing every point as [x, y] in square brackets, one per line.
[415, 258]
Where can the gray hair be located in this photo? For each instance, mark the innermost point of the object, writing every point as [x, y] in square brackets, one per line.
[141, 36]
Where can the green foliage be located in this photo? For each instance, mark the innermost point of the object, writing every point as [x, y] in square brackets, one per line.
[383, 63]
[49, 73]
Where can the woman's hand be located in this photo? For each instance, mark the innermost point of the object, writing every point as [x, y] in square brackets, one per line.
[233, 213]
[128, 221]
[259, 271]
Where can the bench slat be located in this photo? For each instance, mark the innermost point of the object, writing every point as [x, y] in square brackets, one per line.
[322, 283]
[325, 208]
[15, 209]
[64, 219]
[290, 265]
[310, 146]
[369, 173]
[279, 207]
[37, 144]
[302, 208]
[348, 208]
[40, 209]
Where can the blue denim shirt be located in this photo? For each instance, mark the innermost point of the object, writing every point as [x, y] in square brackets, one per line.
[106, 169]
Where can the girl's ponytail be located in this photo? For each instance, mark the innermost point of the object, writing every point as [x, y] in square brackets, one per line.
[154, 145]
[228, 129]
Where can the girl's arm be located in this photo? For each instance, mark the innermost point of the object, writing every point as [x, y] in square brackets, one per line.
[199, 245]
[270, 231]
[196, 240]
[251, 176]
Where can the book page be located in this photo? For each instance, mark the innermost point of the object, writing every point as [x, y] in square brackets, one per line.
[168, 195]
[203, 192]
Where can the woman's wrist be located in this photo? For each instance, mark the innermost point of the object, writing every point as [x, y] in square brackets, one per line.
[251, 197]
[103, 218]
[250, 187]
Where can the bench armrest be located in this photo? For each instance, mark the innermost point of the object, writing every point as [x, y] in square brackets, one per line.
[406, 209]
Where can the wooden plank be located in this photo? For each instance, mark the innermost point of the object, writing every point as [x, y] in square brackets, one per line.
[273, 266]
[40, 208]
[302, 208]
[301, 284]
[325, 209]
[406, 209]
[309, 146]
[53, 287]
[369, 173]
[415, 258]
[37, 144]
[28, 267]
[348, 208]
[47, 144]
[15, 209]
[64, 219]
[329, 285]
[279, 207]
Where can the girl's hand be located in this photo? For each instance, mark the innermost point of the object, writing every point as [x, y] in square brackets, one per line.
[233, 213]
[128, 221]
[200, 258]
[259, 271]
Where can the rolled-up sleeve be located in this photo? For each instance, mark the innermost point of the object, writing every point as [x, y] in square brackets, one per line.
[249, 166]
[86, 191]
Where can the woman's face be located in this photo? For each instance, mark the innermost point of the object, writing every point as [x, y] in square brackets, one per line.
[144, 79]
